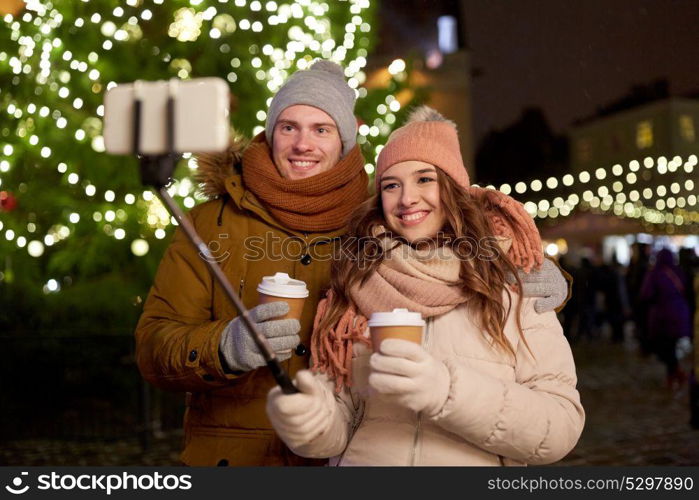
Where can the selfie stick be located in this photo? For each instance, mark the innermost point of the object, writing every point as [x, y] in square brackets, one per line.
[156, 171]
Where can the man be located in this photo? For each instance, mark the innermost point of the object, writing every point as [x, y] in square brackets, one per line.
[289, 194]
[281, 207]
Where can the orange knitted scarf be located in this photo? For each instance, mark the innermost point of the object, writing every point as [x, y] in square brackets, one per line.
[319, 203]
[428, 287]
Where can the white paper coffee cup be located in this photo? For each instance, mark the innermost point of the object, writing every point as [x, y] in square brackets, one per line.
[397, 324]
[282, 287]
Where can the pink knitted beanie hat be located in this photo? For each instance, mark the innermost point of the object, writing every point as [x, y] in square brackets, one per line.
[427, 136]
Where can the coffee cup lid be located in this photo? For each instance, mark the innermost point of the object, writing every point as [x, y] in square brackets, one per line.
[397, 317]
[281, 285]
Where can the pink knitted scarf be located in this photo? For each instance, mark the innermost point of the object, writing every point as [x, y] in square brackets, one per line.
[509, 219]
[424, 282]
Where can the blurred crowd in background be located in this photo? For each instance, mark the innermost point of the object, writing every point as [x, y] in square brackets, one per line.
[651, 304]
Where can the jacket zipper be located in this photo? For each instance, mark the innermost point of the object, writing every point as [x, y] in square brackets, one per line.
[357, 421]
[240, 289]
[418, 426]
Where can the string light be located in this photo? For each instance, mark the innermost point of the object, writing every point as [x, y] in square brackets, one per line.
[313, 39]
[650, 205]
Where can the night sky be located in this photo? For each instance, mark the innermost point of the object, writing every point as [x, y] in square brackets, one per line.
[571, 56]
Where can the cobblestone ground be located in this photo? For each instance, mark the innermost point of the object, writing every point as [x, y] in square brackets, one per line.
[632, 419]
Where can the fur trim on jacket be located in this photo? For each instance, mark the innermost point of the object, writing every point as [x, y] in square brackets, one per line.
[214, 168]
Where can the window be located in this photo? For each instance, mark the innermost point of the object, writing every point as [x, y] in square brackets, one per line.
[584, 150]
[616, 143]
[644, 134]
[448, 36]
[687, 128]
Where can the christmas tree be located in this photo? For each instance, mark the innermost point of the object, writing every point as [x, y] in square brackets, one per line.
[80, 238]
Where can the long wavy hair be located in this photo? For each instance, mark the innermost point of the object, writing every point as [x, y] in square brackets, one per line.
[482, 279]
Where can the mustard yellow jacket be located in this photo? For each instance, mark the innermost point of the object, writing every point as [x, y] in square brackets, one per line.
[178, 334]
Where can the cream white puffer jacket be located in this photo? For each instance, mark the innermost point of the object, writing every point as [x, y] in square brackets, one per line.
[499, 411]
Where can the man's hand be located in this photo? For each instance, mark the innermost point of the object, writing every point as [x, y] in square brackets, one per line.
[240, 351]
[406, 373]
[547, 283]
[299, 418]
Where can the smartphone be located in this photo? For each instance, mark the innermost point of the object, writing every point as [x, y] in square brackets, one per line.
[201, 116]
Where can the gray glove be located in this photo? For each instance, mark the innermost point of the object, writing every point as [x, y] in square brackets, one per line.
[238, 348]
[547, 282]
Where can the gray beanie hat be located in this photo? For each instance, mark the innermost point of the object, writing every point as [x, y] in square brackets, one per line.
[323, 86]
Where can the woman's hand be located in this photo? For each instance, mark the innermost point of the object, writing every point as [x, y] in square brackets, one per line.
[301, 417]
[407, 373]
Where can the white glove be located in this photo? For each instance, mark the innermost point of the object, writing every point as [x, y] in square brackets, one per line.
[406, 373]
[301, 417]
[547, 283]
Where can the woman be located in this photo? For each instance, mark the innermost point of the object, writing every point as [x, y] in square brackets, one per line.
[663, 291]
[493, 382]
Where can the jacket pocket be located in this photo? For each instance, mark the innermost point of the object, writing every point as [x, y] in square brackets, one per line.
[213, 446]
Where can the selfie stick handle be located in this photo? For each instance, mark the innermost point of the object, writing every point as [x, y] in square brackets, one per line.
[156, 171]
